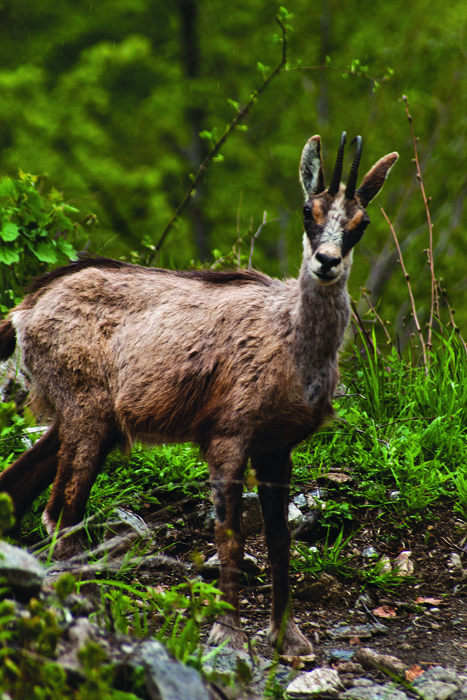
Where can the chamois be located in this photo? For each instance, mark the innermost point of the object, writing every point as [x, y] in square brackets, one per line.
[239, 363]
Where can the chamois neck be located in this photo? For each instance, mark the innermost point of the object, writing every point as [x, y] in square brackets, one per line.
[323, 315]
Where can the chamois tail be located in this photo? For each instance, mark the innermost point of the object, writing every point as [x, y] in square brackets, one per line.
[7, 339]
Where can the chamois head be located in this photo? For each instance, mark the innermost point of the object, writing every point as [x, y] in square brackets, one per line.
[335, 218]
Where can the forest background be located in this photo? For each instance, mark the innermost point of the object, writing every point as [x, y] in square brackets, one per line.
[118, 102]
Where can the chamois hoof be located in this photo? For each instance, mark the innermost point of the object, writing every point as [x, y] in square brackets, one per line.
[234, 638]
[293, 642]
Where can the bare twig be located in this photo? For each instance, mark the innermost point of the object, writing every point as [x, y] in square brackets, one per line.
[412, 300]
[451, 315]
[253, 238]
[434, 308]
[378, 318]
[359, 74]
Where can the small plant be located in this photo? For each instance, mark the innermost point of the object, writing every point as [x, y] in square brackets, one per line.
[34, 229]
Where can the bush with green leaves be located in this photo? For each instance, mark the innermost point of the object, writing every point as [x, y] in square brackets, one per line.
[35, 232]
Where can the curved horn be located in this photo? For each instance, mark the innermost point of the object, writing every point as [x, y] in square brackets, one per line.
[352, 182]
[337, 174]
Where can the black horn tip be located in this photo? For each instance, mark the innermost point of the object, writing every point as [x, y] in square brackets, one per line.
[336, 176]
[352, 182]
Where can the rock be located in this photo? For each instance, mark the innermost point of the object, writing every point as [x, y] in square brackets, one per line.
[403, 565]
[226, 661]
[211, 567]
[320, 681]
[373, 692]
[383, 662]
[20, 571]
[361, 631]
[167, 678]
[335, 477]
[363, 601]
[300, 501]
[210, 519]
[295, 516]
[440, 684]
[325, 589]
[386, 566]
[369, 553]
[252, 517]
[320, 494]
[350, 667]
[79, 634]
[307, 525]
[394, 495]
[341, 655]
[454, 562]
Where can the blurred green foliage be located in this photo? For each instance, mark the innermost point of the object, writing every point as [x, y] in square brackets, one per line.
[110, 99]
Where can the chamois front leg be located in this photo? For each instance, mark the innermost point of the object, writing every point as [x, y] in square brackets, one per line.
[227, 464]
[273, 474]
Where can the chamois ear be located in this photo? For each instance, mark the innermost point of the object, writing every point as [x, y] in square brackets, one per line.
[375, 178]
[311, 168]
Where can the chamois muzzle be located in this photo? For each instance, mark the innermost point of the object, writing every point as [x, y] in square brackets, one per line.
[352, 182]
[337, 174]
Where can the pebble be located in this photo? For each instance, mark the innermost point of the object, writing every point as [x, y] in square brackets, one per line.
[341, 655]
[321, 681]
[300, 501]
[369, 552]
[455, 562]
[295, 516]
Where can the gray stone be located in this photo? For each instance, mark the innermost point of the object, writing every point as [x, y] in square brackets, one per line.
[20, 571]
[341, 655]
[210, 519]
[295, 515]
[369, 552]
[439, 683]
[307, 525]
[455, 562]
[227, 660]
[132, 520]
[211, 567]
[436, 690]
[79, 634]
[252, 517]
[300, 501]
[373, 692]
[320, 681]
[361, 631]
[439, 673]
[167, 678]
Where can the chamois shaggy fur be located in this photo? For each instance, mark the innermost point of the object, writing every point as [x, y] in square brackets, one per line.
[242, 364]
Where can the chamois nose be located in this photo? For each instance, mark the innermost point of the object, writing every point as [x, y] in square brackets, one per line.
[327, 261]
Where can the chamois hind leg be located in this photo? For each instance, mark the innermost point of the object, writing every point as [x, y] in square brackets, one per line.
[227, 462]
[273, 473]
[26, 478]
[82, 453]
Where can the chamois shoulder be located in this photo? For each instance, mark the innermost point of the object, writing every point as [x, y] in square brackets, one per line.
[212, 277]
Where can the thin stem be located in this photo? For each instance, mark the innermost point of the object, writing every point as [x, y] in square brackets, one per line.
[412, 300]
[434, 307]
[378, 318]
[253, 238]
[359, 74]
[451, 315]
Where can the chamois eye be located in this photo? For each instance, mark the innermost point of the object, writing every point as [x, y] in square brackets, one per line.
[306, 212]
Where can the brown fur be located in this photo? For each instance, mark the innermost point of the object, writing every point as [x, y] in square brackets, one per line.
[242, 364]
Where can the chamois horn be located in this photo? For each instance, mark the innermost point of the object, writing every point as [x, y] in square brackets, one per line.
[337, 174]
[352, 182]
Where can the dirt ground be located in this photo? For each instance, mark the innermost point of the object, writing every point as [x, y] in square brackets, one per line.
[419, 632]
